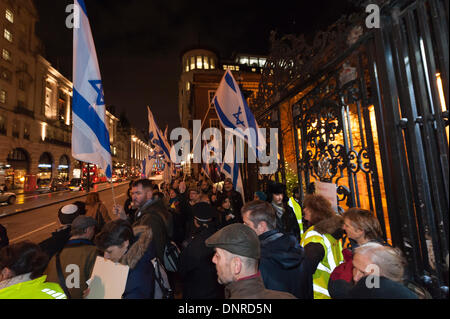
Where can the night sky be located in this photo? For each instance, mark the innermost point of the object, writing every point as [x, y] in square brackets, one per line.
[139, 42]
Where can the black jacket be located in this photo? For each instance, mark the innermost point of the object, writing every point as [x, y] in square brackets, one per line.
[387, 289]
[141, 275]
[197, 270]
[287, 223]
[236, 202]
[281, 265]
[56, 242]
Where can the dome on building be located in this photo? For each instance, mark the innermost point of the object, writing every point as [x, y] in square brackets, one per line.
[199, 59]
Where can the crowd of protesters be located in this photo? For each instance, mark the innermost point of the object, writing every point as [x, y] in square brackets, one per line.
[270, 247]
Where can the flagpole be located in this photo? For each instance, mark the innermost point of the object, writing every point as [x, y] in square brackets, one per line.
[203, 121]
[114, 196]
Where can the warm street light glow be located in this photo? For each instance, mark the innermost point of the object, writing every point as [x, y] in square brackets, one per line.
[43, 130]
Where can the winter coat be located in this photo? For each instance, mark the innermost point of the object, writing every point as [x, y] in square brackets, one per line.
[287, 222]
[80, 252]
[236, 202]
[252, 287]
[222, 215]
[341, 279]
[387, 289]
[161, 225]
[141, 275]
[196, 269]
[56, 242]
[281, 265]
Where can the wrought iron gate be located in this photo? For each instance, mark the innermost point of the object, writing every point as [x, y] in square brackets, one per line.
[373, 119]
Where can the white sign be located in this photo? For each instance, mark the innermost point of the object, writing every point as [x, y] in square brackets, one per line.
[108, 280]
[327, 190]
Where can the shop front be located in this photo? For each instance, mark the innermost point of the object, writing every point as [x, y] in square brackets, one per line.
[64, 168]
[16, 168]
[45, 167]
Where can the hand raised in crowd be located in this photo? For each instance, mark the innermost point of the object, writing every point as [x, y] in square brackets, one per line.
[119, 211]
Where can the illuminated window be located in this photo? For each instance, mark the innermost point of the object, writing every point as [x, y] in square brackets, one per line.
[225, 67]
[243, 60]
[199, 62]
[48, 102]
[6, 55]
[3, 96]
[192, 62]
[8, 35]
[6, 75]
[187, 65]
[205, 62]
[262, 62]
[212, 63]
[253, 61]
[188, 86]
[9, 16]
[237, 68]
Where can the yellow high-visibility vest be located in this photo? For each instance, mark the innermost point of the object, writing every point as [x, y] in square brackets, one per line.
[33, 289]
[298, 213]
[332, 258]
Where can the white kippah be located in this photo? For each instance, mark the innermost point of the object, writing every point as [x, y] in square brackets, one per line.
[69, 209]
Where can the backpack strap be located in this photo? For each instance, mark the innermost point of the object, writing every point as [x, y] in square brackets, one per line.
[62, 280]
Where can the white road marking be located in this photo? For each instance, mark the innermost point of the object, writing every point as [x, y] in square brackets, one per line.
[31, 232]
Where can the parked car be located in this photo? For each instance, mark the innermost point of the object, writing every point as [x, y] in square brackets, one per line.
[75, 185]
[58, 185]
[8, 197]
[44, 185]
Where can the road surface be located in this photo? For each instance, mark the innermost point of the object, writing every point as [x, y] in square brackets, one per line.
[38, 224]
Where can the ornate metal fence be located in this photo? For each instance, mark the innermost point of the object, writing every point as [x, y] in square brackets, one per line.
[370, 115]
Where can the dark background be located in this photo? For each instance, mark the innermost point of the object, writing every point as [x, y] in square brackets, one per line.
[139, 42]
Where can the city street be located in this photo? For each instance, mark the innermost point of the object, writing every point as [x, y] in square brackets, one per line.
[38, 224]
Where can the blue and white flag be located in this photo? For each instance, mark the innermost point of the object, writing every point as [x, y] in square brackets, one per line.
[147, 164]
[162, 147]
[234, 113]
[90, 136]
[233, 171]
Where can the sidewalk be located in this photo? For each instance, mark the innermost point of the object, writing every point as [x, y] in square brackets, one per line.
[48, 199]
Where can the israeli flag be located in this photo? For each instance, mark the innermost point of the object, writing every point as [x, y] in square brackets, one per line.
[162, 147]
[147, 164]
[232, 171]
[90, 136]
[234, 113]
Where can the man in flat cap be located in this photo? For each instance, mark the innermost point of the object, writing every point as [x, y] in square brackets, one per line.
[237, 251]
[72, 266]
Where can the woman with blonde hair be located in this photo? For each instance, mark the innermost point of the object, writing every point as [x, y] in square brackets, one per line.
[97, 210]
[361, 228]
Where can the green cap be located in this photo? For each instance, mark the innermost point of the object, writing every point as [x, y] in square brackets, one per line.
[238, 239]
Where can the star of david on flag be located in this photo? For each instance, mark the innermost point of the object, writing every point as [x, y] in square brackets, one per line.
[90, 136]
[234, 113]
